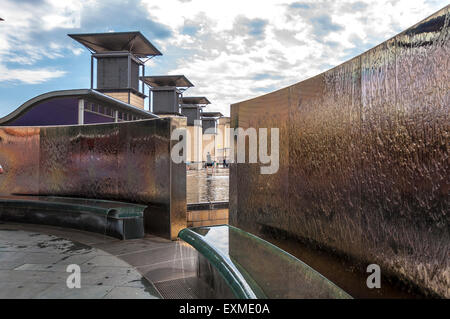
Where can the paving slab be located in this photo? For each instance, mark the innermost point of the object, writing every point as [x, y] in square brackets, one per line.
[128, 293]
[111, 261]
[110, 268]
[59, 291]
[34, 260]
[51, 267]
[15, 290]
[134, 245]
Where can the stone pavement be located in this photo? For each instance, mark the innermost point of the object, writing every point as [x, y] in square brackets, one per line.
[33, 265]
[33, 261]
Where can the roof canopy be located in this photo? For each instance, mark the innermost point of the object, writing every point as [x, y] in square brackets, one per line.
[167, 80]
[212, 114]
[81, 93]
[133, 42]
[195, 100]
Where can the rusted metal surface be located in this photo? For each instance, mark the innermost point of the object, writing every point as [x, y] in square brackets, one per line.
[363, 158]
[122, 161]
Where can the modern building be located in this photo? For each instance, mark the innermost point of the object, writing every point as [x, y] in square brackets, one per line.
[116, 96]
[209, 122]
[222, 143]
[191, 108]
[216, 139]
[71, 107]
[209, 128]
[120, 58]
[166, 91]
[117, 93]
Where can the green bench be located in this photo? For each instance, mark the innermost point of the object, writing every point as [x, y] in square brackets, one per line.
[111, 218]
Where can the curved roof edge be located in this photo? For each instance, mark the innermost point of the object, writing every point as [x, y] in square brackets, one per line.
[73, 93]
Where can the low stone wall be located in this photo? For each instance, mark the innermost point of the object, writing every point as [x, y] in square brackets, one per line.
[207, 214]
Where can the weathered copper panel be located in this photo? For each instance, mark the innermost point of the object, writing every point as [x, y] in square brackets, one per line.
[267, 194]
[367, 158]
[178, 202]
[59, 163]
[404, 133]
[19, 157]
[127, 161]
[147, 175]
[323, 158]
[100, 149]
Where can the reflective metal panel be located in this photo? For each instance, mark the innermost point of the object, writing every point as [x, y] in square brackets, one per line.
[19, 157]
[177, 187]
[363, 158]
[249, 190]
[122, 161]
[323, 156]
[254, 268]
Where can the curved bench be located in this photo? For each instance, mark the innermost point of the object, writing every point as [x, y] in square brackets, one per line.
[111, 218]
[254, 268]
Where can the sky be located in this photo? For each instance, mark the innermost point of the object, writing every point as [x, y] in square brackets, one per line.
[230, 50]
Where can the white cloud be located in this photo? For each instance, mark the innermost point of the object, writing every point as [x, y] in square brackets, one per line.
[63, 14]
[28, 76]
[231, 50]
[23, 37]
[299, 41]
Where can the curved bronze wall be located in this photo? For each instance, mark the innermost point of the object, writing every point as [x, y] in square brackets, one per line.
[363, 158]
[127, 161]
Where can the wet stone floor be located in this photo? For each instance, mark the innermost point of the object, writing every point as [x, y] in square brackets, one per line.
[34, 258]
[34, 265]
[202, 187]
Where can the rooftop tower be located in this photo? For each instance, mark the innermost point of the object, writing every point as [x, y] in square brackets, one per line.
[209, 122]
[121, 58]
[167, 92]
[191, 107]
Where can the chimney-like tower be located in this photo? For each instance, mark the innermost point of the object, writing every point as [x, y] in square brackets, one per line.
[209, 122]
[121, 58]
[167, 91]
[191, 107]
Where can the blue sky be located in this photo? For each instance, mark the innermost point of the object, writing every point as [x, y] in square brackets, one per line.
[231, 50]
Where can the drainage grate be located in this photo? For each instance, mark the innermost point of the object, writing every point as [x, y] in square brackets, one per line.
[184, 288]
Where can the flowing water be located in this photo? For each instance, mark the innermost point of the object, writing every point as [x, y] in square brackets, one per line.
[202, 187]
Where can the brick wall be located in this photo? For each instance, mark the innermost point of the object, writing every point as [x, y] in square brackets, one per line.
[207, 217]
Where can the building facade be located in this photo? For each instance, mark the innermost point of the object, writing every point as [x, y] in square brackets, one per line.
[117, 94]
